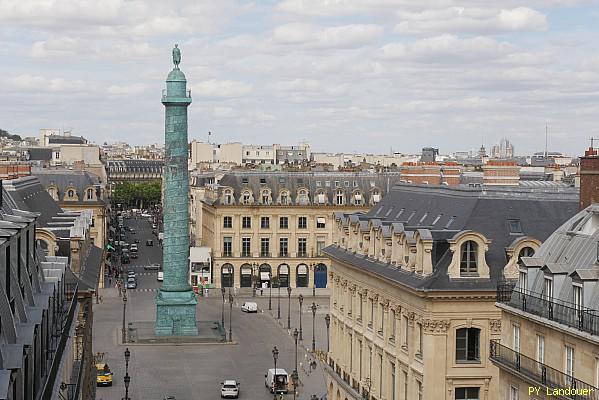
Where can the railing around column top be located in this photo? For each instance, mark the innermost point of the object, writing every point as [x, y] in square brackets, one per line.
[541, 374]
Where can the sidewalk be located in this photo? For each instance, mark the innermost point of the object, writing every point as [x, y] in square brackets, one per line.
[264, 293]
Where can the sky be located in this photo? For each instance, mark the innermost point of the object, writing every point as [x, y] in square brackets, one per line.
[345, 75]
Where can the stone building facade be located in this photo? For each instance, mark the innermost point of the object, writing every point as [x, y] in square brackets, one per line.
[414, 286]
[550, 321]
[266, 226]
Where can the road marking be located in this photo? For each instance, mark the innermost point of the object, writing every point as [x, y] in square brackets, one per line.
[143, 290]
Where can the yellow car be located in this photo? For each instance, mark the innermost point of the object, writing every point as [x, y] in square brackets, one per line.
[103, 375]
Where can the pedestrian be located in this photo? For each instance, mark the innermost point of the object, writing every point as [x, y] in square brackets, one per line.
[261, 291]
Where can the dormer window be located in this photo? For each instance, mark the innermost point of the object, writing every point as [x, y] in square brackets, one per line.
[246, 197]
[548, 288]
[376, 196]
[339, 197]
[71, 193]
[228, 199]
[578, 299]
[284, 198]
[523, 281]
[468, 260]
[320, 198]
[303, 197]
[358, 199]
[265, 197]
[525, 252]
[90, 194]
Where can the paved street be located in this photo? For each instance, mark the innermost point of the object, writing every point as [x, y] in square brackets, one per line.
[195, 371]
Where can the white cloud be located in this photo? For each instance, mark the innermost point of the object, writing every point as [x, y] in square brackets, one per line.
[221, 88]
[41, 84]
[332, 37]
[472, 20]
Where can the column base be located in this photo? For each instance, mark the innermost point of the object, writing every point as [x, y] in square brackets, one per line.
[176, 314]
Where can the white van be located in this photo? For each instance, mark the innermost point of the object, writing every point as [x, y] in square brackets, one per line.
[277, 382]
[249, 307]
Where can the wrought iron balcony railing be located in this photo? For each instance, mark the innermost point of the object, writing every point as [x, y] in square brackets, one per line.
[568, 314]
[540, 374]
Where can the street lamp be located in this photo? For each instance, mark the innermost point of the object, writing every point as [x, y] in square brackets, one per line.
[124, 338]
[327, 320]
[127, 380]
[294, 379]
[222, 315]
[301, 301]
[254, 283]
[275, 355]
[288, 307]
[313, 307]
[269, 291]
[295, 335]
[127, 355]
[313, 265]
[230, 316]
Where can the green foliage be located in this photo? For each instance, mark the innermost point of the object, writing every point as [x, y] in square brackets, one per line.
[5, 134]
[137, 193]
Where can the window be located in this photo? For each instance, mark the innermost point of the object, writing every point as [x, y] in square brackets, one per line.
[467, 347]
[405, 331]
[227, 222]
[264, 222]
[264, 247]
[513, 393]
[392, 369]
[525, 252]
[246, 247]
[302, 247]
[380, 360]
[284, 222]
[263, 181]
[516, 329]
[317, 183]
[320, 223]
[227, 246]
[245, 197]
[523, 281]
[405, 384]
[71, 193]
[541, 349]
[320, 198]
[468, 393]
[420, 350]
[228, 197]
[468, 262]
[548, 290]
[246, 222]
[327, 183]
[393, 325]
[361, 307]
[283, 247]
[371, 316]
[346, 183]
[284, 198]
[90, 194]
[339, 197]
[376, 196]
[419, 387]
[336, 183]
[357, 199]
[319, 246]
[514, 225]
[569, 370]
[302, 222]
[303, 197]
[578, 299]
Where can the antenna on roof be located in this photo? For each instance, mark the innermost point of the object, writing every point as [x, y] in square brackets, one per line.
[546, 135]
[209, 133]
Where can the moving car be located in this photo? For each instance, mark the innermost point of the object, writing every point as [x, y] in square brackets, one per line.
[160, 276]
[130, 274]
[103, 375]
[133, 247]
[155, 267]
[249, 307]
[149, 242]
[131, 283]
[276, 381]
[153, 226]
[229, 388]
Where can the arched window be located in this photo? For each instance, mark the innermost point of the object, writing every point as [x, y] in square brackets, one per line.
[467, 345]
[90, 194]
[246, 197]
[358, 199]
[339, 197]
[525, 252]
[376, 196]
[71, 193]
[265, 197]
[303, 197]
[468, 261]
[320, 197]
[284, 197]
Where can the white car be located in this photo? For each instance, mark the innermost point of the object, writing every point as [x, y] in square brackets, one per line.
[229, 388]
[249, 307]
[160, 276]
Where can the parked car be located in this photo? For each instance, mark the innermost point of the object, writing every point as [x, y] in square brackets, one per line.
[131, 283]
[125, 258]
[276, 381]
[160, 276]
[133, 247]
[103, 375]
[249, 307]
[149, 242]
[153, 226]
[130, 274]
[229, 389]
[154, 267]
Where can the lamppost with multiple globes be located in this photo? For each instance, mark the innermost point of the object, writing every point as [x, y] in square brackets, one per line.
[124, 338]
[275, 355]
[294, 379]
[127, 355]
[327, 320]
[230, 316]
[222, 315]
[301, 301]
[127, 380]
[254, 281]
[295, 335]
[279, 299]
[313, 308]
[288, 307]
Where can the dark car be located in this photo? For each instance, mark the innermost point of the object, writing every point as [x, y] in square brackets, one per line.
[149, 242]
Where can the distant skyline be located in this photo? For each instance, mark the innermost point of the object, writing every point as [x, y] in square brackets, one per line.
[344, 75]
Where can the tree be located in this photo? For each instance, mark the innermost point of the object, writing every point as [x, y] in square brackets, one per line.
[137, 194]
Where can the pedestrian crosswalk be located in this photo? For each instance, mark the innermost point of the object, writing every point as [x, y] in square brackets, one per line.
[143, 290]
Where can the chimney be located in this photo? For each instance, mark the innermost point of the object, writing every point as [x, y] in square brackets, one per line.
[589, 178]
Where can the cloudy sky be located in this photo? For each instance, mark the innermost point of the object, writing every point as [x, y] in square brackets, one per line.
[345, 75]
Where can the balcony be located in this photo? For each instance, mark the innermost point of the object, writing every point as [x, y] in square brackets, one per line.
[540, 374]
[568, 314]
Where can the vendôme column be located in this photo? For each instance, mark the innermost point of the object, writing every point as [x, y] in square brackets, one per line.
[176, 301]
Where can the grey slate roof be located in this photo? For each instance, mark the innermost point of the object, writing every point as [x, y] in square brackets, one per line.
[40, 153]
[315, 182]
[455, 209]
[28, 194]
[65, 178]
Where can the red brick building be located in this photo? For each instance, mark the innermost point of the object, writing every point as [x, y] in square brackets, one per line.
[14, 170]
[501, 173]
[589, 178]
